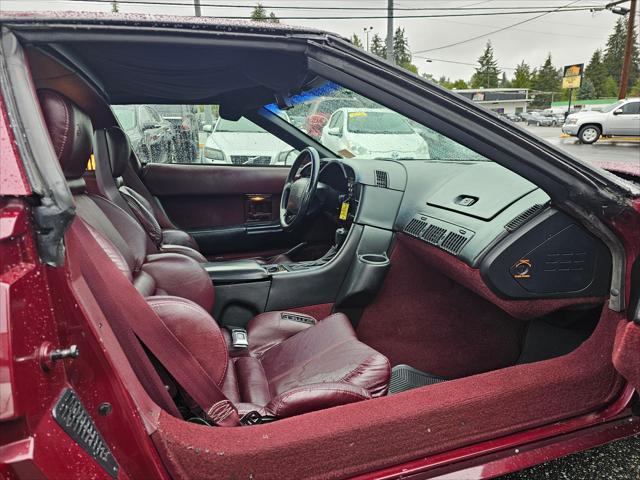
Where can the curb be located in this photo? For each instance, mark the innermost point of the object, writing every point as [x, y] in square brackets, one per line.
[612, 139]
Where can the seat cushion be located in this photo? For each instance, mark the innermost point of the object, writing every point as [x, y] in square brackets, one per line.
[326, 352]
[297, 366]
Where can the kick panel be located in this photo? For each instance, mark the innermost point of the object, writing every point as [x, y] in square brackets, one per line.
[550, 256]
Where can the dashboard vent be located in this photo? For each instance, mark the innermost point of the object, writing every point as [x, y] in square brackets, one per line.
[414, 227]
[433, 234]
[77, 423]
[444, 235]
[453, 243]
[521, 219]
[382, 179]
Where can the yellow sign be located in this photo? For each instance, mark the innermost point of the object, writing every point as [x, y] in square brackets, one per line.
[571, 82]
[344, 210]
[357, 114]
[572, 75]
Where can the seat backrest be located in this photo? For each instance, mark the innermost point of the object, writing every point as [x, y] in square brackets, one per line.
[71, 130]
[112, 153]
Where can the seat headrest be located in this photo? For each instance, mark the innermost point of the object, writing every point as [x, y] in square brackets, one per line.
[70, 130]
[119, 150]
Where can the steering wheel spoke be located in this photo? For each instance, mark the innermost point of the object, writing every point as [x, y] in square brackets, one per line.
[298, 191]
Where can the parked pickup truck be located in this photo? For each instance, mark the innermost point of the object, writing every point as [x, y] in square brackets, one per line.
[620, 118]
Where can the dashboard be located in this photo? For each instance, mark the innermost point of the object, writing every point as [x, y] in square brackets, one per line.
[481, 213]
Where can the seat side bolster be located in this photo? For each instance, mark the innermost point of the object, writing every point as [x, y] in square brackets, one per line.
[313, 397]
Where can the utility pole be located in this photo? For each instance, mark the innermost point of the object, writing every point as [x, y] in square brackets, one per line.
[626, 66]
[390, 31]
[196, 6]
[366, 32]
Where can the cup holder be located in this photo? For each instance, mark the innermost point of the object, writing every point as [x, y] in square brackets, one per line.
[364, 280]
[374, 258]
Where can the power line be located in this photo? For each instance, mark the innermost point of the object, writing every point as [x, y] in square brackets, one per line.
[304, 7]
[458, 62]
[563, 9]
[351, 17]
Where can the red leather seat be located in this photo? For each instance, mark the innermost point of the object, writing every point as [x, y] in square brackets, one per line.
[112, 153]
[293, 365]
[151, 272]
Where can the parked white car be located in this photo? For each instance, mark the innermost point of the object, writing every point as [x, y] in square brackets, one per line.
[242, 142]
[372, 133]
[620, 118]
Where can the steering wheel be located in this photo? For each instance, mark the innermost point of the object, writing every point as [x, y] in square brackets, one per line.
[298, 192]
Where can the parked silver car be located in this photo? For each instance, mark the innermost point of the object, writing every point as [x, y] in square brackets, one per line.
[618, 119]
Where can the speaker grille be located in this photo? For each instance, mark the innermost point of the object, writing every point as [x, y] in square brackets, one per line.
[77, 423]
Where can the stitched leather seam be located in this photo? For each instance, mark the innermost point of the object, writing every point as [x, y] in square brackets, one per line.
[281, 401]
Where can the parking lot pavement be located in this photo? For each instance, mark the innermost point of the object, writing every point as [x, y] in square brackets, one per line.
[610, 150]
[616, 461]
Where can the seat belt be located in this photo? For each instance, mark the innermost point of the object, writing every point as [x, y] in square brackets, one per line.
[137, 316]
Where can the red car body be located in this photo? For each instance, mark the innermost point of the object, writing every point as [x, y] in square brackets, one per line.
[38, 314]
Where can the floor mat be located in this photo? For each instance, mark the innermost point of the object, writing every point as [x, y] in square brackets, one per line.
[405, 377]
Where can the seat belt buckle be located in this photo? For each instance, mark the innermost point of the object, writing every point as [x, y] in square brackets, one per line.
[239, 338]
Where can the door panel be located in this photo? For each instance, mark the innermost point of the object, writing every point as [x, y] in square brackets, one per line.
[228, 209]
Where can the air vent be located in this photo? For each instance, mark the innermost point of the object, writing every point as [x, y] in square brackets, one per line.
[414, 227]
[524, 217]
[433, 234]
[75, 420]
[382, 179]
[453, 243]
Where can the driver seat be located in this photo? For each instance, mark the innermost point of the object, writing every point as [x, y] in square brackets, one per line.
[115, 174]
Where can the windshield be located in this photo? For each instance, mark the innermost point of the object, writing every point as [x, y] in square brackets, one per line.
[613, 106]
[372, 122]
[243, 125]
[334, 116]
[126, 116]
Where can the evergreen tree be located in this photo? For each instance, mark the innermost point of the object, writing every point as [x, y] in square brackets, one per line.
[587, 90]
[635, 90]
[377, 47]
[259, 14]
[614, 53]
[487, 73]
[401, 53]
[522, 76]
[115, 8]
[548, 79]
[596, 72]
[355, 39]
[504, 81]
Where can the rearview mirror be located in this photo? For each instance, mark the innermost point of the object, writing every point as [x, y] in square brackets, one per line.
[207, 128]
[334, 131]
[618, 111]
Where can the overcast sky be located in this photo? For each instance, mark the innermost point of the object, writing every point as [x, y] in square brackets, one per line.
[571, 37]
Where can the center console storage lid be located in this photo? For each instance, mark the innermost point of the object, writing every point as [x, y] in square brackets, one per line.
[235, 271]
[482, 190]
